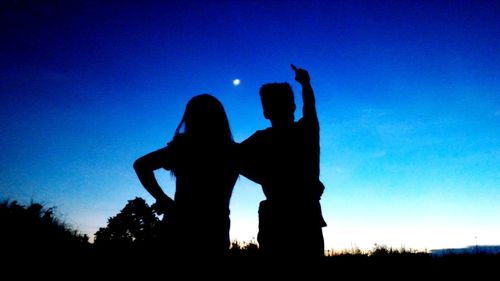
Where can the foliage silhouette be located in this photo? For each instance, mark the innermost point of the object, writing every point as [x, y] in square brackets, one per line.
[247, 249]
[30, 230]
[33, 236]
[136, 225]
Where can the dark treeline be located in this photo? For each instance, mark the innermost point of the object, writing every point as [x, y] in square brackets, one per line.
[132, 239]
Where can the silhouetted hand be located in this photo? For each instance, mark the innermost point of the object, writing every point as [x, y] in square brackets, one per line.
[301, 75]
[319, 188]
[164, 205]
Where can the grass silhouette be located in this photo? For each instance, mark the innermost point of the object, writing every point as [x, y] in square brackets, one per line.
[34, 235]
[35, 226]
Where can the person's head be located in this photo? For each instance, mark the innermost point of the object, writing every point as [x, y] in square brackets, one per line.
[278, 103]
[205, 120]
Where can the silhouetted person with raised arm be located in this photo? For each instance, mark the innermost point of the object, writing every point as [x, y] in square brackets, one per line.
[200, 157]
[284, 160]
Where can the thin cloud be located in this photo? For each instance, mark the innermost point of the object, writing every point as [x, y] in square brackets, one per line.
[378, 154]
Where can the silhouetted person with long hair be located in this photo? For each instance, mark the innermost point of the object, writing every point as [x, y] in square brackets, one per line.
[200, 157]
[284, 160]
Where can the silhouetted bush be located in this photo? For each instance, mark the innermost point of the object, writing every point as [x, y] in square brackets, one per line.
[136, 226]
[33, 235]
[247, 249]
[34, 231]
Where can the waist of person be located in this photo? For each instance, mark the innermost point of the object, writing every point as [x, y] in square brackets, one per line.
[297, 202]
[303, 211]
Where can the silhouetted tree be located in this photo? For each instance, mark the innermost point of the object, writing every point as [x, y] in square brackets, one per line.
[136, 225]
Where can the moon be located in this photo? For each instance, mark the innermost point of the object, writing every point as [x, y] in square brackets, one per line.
[236, 82]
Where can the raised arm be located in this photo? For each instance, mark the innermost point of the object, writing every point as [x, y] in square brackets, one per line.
[309, 102]
[311, 129]
[144, 168]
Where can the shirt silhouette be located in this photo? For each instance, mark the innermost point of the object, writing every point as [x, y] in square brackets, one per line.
[200, 157]
[284, 160]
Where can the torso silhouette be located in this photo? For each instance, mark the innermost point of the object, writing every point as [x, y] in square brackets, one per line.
[205, 177]
[285, 162]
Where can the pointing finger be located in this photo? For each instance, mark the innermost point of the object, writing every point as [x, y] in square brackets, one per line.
[294, 67]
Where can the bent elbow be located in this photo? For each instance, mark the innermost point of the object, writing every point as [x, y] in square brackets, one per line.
[138, 164]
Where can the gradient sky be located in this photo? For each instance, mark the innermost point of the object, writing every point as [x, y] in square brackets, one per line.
[408, 97]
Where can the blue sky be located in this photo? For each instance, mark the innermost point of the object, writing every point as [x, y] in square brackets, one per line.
[407, 96]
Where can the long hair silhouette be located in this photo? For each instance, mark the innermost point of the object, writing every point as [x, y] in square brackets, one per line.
[205, 120]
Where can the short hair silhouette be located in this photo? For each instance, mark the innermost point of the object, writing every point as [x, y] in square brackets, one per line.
[277, 100]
